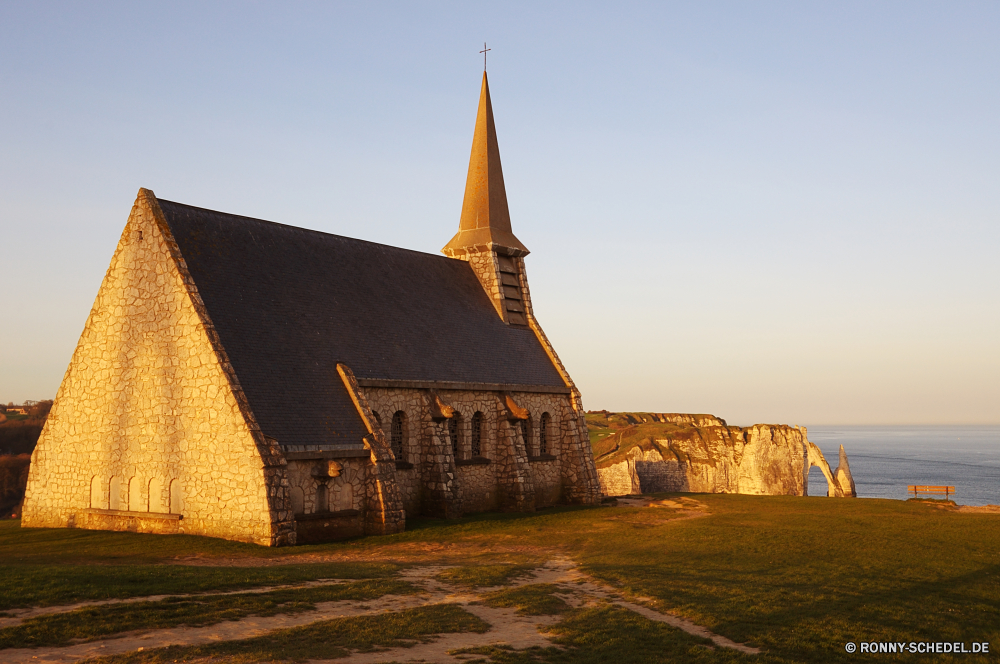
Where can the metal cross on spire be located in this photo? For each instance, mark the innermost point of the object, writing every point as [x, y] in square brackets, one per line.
[484, 54]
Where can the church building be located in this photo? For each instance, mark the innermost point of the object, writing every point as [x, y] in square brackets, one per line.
[258, 382]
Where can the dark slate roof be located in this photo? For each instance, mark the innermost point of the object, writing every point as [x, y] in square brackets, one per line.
[290, 303]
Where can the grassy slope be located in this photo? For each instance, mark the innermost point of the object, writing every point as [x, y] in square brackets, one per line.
[796, 576]
[614, 435]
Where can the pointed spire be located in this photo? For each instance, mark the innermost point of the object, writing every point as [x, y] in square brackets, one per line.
[485, 221]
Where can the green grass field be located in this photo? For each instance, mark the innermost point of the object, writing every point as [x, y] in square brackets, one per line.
[796, 577]
[94, 622]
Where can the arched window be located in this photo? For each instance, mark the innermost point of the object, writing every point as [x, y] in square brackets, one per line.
[524, 428]
[134, 495]
[115, 493]
[397, 435]
[477, 434]
[543, 434]
[97, 493]
[343, 498]
[454, 429]
[298, 498]
[176, 497]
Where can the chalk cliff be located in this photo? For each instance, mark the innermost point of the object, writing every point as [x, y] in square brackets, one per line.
[652, 452]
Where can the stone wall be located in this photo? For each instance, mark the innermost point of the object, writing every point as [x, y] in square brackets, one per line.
[434, 481]
[578, 475]
[149, 420]
[547, 478]
[477, 488]
[326, 485]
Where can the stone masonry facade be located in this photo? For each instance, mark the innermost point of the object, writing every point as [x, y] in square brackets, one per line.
[149, 430]
[495, 468]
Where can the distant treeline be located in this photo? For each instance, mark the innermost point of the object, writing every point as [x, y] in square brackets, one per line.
[13, 480]
[18, 434]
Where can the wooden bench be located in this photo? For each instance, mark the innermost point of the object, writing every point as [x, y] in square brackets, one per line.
[923, 488]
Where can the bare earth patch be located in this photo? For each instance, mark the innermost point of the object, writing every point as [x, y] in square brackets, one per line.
[402, 552]
[981, 509]
[507, 627]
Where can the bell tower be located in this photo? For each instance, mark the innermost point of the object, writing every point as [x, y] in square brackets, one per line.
[484, 237]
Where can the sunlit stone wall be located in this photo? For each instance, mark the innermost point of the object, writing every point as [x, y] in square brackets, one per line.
[147, 432]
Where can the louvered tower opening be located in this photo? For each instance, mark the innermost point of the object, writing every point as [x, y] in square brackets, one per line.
[513, 301]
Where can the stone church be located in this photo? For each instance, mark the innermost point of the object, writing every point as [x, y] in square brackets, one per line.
[259, 382]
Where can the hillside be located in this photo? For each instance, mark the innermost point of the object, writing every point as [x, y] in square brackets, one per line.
[19, 433]
[18, 436]
[614, 435]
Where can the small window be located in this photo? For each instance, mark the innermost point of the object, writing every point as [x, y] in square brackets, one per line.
[543, 434]
[524, 428]
[397, 434]
[477, 434]
[322, 501]
[454, 429]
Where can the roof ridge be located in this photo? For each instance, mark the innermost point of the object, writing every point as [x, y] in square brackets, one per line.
[306, 230]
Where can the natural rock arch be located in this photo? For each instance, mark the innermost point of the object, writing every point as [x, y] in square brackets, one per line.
[840, 484]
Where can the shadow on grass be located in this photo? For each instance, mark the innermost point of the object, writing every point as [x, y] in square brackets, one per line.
[24, 586]
[611, 634]
[328, 639]
[96, 622]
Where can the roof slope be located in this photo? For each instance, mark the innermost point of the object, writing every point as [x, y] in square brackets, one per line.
[290, 303]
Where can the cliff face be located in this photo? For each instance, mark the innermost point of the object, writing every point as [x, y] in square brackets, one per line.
[701, 455]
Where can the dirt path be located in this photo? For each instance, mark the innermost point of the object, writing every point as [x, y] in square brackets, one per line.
[506, 626]
[981, 509]
[17, 616]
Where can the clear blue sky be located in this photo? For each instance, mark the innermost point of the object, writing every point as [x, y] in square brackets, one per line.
[774, 212]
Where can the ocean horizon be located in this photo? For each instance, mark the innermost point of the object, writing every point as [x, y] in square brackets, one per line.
[885, 459]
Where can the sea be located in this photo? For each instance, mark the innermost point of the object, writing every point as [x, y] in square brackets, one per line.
[885, 459]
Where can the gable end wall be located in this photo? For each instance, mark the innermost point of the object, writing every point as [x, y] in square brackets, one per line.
[149, 430]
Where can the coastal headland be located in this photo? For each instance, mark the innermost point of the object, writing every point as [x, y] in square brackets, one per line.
[655, 452]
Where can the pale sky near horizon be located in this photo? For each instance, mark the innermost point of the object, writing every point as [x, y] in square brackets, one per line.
[773, 212]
